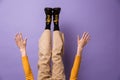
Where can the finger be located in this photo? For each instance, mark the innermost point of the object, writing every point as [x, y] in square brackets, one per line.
[84, 34]
[25, 40]
[87, 34]
[16, 39]
[21, 37]
[88, 37]
[78, 37]
[16, 36]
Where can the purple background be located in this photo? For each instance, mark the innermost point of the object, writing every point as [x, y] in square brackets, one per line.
[101, 18]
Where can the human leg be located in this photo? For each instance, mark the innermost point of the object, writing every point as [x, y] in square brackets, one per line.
[44, 54]
[57, 50]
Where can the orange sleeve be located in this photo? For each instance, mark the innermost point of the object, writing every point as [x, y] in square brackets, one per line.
[27, 69]
[75, 68]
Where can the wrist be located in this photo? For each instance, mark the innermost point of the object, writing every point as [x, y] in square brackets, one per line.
[79, 51]
[79, 48]
[23, 52]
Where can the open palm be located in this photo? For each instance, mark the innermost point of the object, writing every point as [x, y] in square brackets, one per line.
[20, 42]
[83, 40]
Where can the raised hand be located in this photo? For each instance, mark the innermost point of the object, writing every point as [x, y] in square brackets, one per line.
[21, 43]
[82, 41]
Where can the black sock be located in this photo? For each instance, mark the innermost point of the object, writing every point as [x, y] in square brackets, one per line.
[48, 12]
[56, 22]
[56, 12]
[48, 22]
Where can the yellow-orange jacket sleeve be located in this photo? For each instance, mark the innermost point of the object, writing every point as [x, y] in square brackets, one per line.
[75, 68]
[27, 69]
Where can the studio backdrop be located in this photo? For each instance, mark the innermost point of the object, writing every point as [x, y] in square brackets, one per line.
[101, 18]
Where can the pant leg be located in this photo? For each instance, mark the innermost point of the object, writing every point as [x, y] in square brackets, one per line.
[57, 51]
[44, 56]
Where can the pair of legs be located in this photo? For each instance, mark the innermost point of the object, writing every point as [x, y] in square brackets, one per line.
[51, 49]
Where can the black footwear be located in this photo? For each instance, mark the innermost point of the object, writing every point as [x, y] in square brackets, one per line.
[48, 12]
[56, 12]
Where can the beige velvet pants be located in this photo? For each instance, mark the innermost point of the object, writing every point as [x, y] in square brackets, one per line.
[51, 49]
